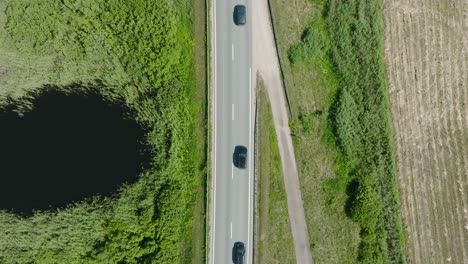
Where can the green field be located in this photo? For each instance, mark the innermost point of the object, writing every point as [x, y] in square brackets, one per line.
[335, 74]
[141, 53]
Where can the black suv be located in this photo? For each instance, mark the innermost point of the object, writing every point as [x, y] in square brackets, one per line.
[240, 157]
[238, 252]
[239, 15]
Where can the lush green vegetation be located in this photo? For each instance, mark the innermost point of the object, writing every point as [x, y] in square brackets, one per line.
[334, 236]
[275, 242]
[142, 52]
[349, 46]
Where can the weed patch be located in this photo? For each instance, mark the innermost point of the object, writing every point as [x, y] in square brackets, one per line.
[141, 52]
[349, 45]
[359, 121]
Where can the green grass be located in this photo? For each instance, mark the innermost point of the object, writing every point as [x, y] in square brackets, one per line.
[360, 123]
[275, 243]
[334, 237]
[144, 53]
[197, 13]
[338, 90]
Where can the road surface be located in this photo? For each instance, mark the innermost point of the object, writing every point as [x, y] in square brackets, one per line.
[232, 190]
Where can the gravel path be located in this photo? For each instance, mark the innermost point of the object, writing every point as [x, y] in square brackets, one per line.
[265, 63]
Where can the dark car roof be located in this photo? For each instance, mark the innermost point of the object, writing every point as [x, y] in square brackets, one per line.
[238, 253]
[240, 149]
[240, 157]
[239, 14]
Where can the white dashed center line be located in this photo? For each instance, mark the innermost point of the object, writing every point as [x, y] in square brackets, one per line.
[232, 112]
[232, 51]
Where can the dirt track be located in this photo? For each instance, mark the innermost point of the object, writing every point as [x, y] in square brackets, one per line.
[427, 67]
[265, 63]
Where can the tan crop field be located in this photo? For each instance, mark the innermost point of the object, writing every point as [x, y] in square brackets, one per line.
[426, 54]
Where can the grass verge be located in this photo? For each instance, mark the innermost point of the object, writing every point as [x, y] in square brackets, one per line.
[334, 237]
[340, 45]
[197, 248]
[275, 243]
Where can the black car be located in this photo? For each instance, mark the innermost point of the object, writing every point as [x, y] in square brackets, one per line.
[240, 157]
[239, 15]
[238, 252]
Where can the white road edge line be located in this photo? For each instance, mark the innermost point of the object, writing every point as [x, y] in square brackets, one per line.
[249, 238]
[232, 112]
[214, 130]
[231, 230]
[232, 51]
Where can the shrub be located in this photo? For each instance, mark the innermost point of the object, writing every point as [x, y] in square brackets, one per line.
[297, 53]
[365, 207]
[314, 46]
[350, 40]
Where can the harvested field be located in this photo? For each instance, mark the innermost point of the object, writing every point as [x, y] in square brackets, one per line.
[426, 55]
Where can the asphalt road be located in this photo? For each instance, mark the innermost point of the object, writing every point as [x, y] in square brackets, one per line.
[232, 114]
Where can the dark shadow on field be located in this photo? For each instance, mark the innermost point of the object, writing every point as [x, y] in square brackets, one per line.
[65, 147]
[351, 191]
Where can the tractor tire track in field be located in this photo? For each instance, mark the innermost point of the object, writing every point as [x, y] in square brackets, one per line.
[426, 57]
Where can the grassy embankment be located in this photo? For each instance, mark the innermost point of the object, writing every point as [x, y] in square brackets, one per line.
[143, 53]
[197, 18]
[275, 243]
[339, 96]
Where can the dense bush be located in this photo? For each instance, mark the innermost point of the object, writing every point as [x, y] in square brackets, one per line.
[141, 51]
[361, 126]
[351, 41]
[313, 46]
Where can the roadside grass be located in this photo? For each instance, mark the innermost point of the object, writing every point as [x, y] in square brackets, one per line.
[197, 13]
[143, 53]
[275, 243]
[334, 237]
[339, 96]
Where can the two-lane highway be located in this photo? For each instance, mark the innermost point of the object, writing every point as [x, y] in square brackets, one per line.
[232, 115]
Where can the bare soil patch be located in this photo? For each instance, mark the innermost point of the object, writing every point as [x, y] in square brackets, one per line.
[426, 57]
